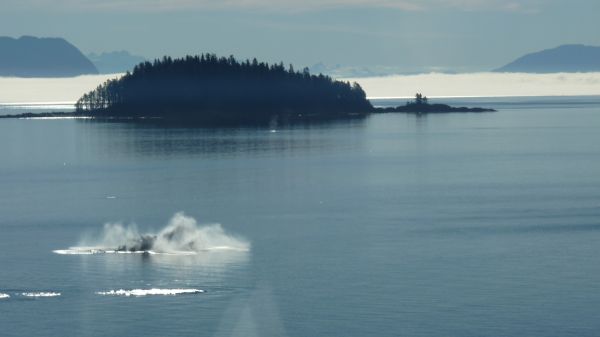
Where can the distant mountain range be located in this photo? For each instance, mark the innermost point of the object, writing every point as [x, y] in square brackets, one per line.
[115, 62]
[566, 58]
[30, 56]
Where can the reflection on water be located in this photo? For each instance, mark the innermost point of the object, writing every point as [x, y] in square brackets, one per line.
[216, 274]
[152, 139]
[20, 108]
[190, 267]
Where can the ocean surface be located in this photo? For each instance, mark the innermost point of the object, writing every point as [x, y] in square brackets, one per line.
[394, 225]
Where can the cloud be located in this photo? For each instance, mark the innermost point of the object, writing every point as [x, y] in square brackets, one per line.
[270, 5]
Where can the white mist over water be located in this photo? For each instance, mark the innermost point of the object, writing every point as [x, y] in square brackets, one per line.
[181, 236]
[48, 91]
[35, 93]
[481, 85]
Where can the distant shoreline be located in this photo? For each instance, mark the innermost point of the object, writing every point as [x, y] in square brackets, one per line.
[75, 115]
[40, 115]
[300, 117]
[479, 97]
[420, 105]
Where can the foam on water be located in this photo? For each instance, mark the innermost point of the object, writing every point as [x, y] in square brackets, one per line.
[181, 236]
[99, 250]
[41, 294]
[76, 251]
[149, 292]
[3, 296]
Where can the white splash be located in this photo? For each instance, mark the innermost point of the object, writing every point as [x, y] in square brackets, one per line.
[4, 296]
[181, 236]
[147, 292]
[41, 294]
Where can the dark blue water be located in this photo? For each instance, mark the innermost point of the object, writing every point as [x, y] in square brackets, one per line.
[397, 225]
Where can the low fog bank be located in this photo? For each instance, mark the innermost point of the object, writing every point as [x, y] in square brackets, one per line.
[481, 85]
[68, 90]
[16, 90]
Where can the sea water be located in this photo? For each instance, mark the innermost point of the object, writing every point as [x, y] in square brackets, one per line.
[394, 225]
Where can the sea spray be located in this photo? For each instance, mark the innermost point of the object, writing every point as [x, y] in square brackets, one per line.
[182, 235]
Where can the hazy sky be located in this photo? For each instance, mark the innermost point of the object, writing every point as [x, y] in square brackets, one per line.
[409, 34]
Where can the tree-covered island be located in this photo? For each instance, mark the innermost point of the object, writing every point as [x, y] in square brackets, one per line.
[217, 90]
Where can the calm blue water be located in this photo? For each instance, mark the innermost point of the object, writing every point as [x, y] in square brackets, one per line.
[397, 225]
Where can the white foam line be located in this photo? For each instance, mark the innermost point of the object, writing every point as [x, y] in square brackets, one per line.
[41, 294]
[99, 250]
[147, 292]
[72, 252]
[4, 296]
[93, 251]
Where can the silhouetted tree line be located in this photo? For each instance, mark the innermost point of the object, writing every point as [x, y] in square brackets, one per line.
[218, 89]
[419, 99]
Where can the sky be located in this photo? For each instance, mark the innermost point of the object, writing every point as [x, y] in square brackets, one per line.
[403, 35]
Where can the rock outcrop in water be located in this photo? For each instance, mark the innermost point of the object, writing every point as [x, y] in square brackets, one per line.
[30, 56]
[208, 89]
[421, 105]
